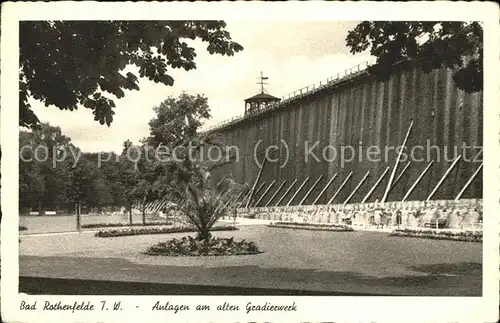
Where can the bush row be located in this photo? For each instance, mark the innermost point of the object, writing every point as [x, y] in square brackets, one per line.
[188, 246]
[469, 236]
[107, 225]
[311, 226]
[157, 230]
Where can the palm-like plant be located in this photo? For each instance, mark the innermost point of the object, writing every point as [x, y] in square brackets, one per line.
[203, 205]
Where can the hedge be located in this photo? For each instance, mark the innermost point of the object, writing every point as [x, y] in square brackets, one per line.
[107, 225]
[468, 236]
[311, 226]
[157, 230]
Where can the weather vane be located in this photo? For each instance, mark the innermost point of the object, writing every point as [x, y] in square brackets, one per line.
[262, 78]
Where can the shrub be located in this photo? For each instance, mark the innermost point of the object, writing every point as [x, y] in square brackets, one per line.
[22, 228]
[157, 230]
[469, 236]
[312, 226]
[189, 246]
[107, 225]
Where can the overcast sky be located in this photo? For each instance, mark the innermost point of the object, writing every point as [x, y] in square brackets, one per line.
[291, 54]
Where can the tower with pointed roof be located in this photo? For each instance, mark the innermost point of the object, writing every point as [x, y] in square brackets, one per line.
[260, 101]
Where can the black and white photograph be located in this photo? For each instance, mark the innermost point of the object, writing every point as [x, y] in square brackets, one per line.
[227, 167]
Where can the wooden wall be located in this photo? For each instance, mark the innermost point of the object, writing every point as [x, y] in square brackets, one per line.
[363, 112]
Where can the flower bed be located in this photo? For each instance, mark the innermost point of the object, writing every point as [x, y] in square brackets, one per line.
[189, 246]
[22, 228]
[469, 236]
[157, 230]
[311, 226]
[108, 225]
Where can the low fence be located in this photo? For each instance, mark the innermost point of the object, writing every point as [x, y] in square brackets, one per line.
[460, 214]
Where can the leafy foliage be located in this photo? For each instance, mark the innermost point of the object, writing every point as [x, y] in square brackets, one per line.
[203, 205]
[189, 246]
[47, 183]
[119, 224]
[439, 234]
[312, 226]
[457, 45]
[177, 119]
[71, 63]
[155, 230]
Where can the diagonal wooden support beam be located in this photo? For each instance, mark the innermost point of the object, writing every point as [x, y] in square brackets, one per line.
[339, 189]
[400, 175]
[389, 184]
[357, 188]
[243, 193]
[324, 189]
[310, 190]
[417, 181]
[298, 190]
[256, 181]
[257, 191]
[286, 193]
[469, 182]
[374, 187]
[239, 196]
[443, 178]
[220, 181]
[264, 194]
[275, 193]
[246, 197]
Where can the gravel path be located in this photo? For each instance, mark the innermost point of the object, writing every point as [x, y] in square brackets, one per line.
[370, 262]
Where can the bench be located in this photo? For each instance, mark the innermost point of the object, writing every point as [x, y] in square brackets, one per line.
[439, 224]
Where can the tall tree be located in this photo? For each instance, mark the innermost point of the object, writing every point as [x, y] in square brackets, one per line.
[457, 45]
[185, 176]
[177, 119]
[41, 185]
[72, 63]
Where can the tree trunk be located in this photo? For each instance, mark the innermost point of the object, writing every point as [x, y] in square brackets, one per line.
[78, 224]
[204, 233]
[130, 212]
[235, 213]
[144, 211]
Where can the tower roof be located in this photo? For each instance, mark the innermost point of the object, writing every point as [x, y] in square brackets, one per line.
[262, 97]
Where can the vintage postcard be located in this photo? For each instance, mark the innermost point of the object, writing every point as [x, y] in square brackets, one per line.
[250, 162]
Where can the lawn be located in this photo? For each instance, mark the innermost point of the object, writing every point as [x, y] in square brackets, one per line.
[65, 223]
[356, 262]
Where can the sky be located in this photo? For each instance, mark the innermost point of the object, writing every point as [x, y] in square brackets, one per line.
[293, 54]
